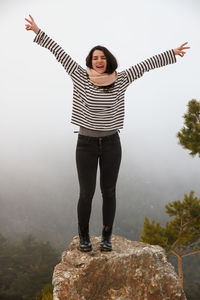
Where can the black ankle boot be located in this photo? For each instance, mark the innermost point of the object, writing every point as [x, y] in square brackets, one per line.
[85, 244]
[106, 244]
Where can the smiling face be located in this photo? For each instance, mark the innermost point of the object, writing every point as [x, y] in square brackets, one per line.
[99, 61]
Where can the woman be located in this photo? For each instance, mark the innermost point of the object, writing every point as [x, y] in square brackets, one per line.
[98, 108]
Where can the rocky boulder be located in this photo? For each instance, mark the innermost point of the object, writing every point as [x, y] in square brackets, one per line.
[132, 271]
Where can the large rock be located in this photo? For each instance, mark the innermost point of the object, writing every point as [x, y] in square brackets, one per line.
[132, 271]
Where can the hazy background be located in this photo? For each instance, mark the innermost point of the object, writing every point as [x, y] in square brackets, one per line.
[38, 180]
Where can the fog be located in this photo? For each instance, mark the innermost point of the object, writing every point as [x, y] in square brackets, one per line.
[38, 178]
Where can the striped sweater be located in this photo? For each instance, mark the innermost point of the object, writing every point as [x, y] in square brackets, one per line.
[93, 107]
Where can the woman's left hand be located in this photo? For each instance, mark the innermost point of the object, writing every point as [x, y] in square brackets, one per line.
[179, 51]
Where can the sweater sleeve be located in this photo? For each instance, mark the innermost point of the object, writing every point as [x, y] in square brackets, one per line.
[67, 62]
[157, 61]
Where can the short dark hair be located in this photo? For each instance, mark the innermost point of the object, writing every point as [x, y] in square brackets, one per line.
[111, 60]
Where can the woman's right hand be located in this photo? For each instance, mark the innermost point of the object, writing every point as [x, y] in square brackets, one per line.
[32, 25]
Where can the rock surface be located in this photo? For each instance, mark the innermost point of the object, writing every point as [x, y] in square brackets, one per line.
[132, 271]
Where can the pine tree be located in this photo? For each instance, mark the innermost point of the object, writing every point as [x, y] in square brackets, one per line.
[46, 293]
[181, 236]
[189, 136]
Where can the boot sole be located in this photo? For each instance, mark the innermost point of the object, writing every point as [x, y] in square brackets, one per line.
[85, 250]
[102, 248]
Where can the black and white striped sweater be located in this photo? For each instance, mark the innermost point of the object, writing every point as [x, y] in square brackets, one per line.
[93, 107]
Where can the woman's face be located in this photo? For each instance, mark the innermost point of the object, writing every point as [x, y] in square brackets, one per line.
[99, 61]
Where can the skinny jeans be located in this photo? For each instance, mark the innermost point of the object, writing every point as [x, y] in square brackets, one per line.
[91, 151]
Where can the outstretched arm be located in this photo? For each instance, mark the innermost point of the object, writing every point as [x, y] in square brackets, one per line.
[45, 41]
[157, 61]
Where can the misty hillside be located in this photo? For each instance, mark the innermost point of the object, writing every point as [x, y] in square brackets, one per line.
[40, 197]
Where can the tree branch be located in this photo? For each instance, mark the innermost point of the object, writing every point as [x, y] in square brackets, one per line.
[192, 252]
[174, 253]
[198, 116]
[190, 221]
[179, 234]
[174, 244]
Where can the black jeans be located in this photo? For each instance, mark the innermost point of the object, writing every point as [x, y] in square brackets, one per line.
[89, 151]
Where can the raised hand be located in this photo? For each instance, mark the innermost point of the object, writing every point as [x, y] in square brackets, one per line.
[32, 25]
[179, 51]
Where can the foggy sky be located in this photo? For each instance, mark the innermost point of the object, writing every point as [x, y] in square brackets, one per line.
[37, 138]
